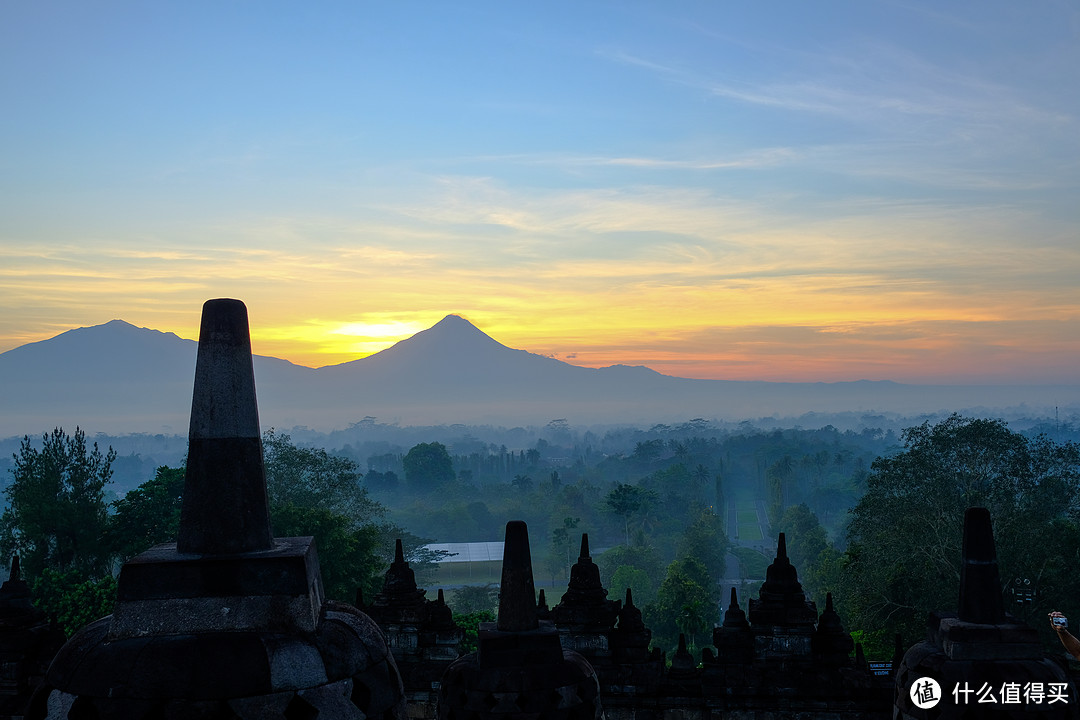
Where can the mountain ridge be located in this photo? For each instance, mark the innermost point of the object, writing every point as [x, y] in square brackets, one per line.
[117, 377]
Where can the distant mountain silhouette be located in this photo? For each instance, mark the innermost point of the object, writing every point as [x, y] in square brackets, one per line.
[117, 378]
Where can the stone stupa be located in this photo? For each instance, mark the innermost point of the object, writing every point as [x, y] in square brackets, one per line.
[986, 662]
[519, 671]
[228, 622]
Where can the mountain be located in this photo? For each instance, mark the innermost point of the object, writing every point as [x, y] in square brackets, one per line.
[109, 378]
[119, 378]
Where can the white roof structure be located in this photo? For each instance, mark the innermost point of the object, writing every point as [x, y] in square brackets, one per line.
[469, 552]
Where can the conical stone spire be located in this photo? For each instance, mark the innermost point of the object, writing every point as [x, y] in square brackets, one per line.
[734, 640]
[781, 600]
[543, 612]
[830, 643]
[517, 594]
[584, 605]
[399, 585]
[630, 616]
[225, 510]
[682, 662]
[400, 604]
[980, 582]
[519, 669]
[734, 617]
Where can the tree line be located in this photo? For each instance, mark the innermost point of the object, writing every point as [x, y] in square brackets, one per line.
[875, 520]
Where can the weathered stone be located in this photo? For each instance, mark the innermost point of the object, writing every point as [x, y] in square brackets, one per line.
[517, 597]
[980, 584]
[225, 509]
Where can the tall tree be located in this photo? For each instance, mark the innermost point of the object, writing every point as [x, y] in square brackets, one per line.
[57, 512]
[147, 515]
[427, 466]
[777, 478]
[721, 504]
[311, 477]
[314, 493]
[628, 501]
[903, 557]
[704, 539]
[688, 601]
[559, 552]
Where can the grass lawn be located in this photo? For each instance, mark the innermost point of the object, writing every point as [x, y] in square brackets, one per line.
[750, 532]
[752, 563]
[747, 517]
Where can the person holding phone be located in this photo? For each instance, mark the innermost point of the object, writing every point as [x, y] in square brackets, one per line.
[1061, 626]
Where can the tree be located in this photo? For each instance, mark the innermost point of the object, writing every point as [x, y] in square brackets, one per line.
[903, 557]
[704, 539]
[147, 515]
[699, 479]
[349, 557]
[634, 563]
[314, 493]
[476, 598]
[626, 501]
[721, 506]
[523, 483]
[469, 622]
[687, 602]
[638, 581]
[559, 552]
[427, 466]
[72, 599]
[57, 513]
[311, 477]
[777, 478]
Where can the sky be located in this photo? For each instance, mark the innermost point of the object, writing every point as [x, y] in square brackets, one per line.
[790, 191]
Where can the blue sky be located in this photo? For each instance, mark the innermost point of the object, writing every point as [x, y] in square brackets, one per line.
[803, 191]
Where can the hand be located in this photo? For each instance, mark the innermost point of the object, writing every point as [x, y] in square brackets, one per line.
[1057, 628]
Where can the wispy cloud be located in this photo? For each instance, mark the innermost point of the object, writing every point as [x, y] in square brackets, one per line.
[896, 114]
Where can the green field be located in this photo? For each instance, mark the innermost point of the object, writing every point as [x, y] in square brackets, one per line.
[747, 517]
[752, 564]
[750, 532]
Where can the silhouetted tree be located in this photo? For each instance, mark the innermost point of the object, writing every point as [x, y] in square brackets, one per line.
[903, 557]
[428, 466]
[57, 514]
[627, 501]
[147, 515]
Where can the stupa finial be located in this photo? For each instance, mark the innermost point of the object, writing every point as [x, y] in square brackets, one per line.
[980, 582]
[517, 594]
[225, 509]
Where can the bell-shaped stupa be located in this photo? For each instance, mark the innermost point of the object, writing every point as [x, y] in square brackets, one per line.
[228, 622]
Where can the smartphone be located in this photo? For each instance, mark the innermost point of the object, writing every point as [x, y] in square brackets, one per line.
[1060, 622]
